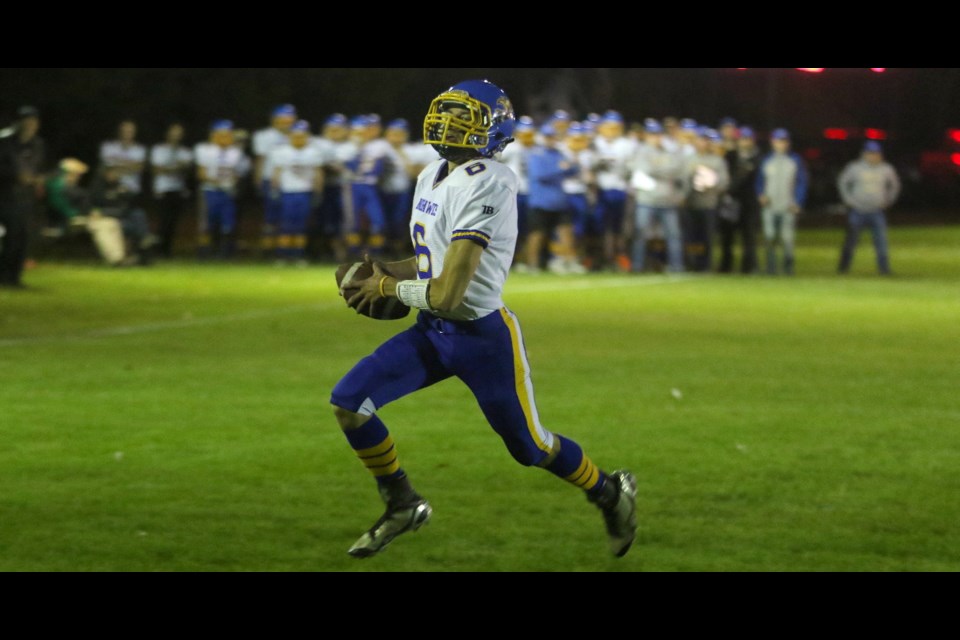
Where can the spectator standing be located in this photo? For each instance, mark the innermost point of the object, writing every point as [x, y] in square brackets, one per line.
[22, 165]
[740, 211]
[550, 211]
[707, 180]
[869, 186]
[782, 190]
[170, 163]
[659, 189]
[127, 156]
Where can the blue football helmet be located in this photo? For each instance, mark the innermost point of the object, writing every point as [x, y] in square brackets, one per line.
[469, 120]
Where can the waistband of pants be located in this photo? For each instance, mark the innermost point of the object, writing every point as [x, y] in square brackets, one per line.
[485, 325]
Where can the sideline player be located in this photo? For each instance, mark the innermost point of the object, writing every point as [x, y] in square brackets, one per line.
[298, 178]
[464, 230]
[264, 141]
[220, 165]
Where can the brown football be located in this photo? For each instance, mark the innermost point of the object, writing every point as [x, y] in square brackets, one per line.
[384, 309]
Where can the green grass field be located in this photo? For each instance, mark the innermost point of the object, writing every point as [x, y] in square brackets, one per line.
[177, 419]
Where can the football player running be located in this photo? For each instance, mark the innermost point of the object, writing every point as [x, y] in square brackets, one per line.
[464, 230]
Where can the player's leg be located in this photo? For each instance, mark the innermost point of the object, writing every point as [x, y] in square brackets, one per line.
[674, 238]
[538, 224]
[748, 230]
[769, 239]
[788, 235]
[852, 237]
[228, 225]
[297, 229]
[353, 202]
[272, 211]
[642, 217]
[501, 383]
[405, 363]
[207, 220]
[377, 238]
[878, 227]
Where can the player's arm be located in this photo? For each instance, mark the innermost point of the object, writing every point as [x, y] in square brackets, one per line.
[443, 293]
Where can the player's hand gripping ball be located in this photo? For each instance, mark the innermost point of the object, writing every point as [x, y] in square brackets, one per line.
[351, 278]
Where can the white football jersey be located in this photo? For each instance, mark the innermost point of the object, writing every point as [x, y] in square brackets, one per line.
[114, 153]
[613, 157]
[264, 141]
[408, 155]
[223, 165]
[515, 157]
[297, 167]
[476, 202]
[163, 155]
[326, 148]
[585, 159]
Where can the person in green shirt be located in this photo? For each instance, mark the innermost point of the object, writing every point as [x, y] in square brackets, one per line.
[68, 206]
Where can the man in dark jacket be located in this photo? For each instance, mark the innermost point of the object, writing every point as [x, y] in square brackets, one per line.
[740, 211]
[22, 160]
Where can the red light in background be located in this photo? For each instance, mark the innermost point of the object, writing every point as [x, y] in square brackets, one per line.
[878, 69]
[875, 134]
[954, 135]
[955, 158]
[811, 69]
[812, 154]
[836, 134]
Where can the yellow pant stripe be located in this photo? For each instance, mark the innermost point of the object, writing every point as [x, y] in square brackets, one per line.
[376, 241]
[299, 242]
[353, 239]
[520, 376]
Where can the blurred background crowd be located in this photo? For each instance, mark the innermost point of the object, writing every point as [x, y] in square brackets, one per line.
[604, 190]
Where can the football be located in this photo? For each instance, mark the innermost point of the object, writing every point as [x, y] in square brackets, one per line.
[388, 309]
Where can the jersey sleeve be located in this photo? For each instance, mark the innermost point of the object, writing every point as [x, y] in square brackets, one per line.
[488, 204]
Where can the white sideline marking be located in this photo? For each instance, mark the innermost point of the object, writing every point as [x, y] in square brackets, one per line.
[163, 326]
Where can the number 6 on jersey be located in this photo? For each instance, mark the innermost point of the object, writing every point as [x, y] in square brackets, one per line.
[424, 265]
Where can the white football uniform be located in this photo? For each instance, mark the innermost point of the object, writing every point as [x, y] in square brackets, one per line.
[224, 166]
[515, 157]
[297, 167]
[585, 159]
[326, 148]
[613, 157]
[264, 141]
[114, 153]
[163, 155]
[476, 202]
[416, 154]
